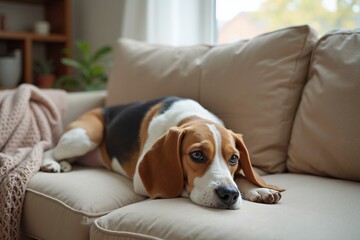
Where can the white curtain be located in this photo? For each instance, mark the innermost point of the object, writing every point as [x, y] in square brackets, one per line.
[173, 22]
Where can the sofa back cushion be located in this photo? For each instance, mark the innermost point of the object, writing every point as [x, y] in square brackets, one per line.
[326, 135]
[143, 71]
[254, 86]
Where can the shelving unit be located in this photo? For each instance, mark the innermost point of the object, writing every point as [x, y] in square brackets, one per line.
[58, 14]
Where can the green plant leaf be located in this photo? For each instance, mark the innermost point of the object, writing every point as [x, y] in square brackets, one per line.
[97, 70]
[72, 63]
[103, 79]
[101, 53]
[90, 69]
[84, 47]
[68, 82]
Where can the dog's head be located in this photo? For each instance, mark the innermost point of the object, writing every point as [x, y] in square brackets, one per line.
[202, 158]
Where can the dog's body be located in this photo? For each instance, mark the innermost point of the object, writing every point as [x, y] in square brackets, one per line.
[169, 147]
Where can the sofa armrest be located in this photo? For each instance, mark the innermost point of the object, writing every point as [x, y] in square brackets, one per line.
[80, 102]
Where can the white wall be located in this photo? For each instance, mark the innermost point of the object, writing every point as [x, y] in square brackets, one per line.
[97, 22]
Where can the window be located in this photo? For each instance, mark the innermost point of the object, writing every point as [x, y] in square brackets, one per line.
[243, 19]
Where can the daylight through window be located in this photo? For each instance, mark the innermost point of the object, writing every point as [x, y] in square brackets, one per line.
[243, 19]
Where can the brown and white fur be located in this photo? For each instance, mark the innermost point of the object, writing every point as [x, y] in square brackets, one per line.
[181, 149]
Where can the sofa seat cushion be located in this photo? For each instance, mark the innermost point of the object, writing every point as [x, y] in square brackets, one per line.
[310, 209]
[64, 205]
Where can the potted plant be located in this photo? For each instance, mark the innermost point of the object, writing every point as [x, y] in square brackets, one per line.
[44, 73]
[89, 68]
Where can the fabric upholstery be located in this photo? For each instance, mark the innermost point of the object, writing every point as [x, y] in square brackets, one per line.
[64, 206]
[301, 214]
[326, 135]
[254, 85]
[80, 102]
[73, 200]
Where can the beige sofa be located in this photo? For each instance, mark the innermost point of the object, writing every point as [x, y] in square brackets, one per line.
[296, 99]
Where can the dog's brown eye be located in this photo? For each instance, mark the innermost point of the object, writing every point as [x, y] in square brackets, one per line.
[198, 157]
[233, 160]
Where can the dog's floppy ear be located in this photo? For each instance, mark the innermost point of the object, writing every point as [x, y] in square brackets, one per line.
[245, 165]
[160, 169]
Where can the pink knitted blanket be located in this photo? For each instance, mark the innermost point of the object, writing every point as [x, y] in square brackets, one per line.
[29, 124]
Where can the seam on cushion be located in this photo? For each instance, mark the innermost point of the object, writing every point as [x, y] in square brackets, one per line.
[293, 85]
[83, 213]
[313, 54]
[201, 59]
[301, 54]
[122, 233]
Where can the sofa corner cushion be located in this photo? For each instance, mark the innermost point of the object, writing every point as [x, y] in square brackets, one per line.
[326, 134]
[253, 85]
[308, 210]
[73, 201]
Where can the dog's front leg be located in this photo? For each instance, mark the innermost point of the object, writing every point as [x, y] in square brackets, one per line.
[253, 193]
[73, 143]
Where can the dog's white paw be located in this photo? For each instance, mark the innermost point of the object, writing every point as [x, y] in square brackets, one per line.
[263, 195]
[55, 167]
[65, 166]
[49, 164]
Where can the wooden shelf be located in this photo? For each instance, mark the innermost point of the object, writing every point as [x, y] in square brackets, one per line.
[27, 1]
[32, 36]
[58, 14]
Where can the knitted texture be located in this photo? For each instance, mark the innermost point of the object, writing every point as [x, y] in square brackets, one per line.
[29, 124]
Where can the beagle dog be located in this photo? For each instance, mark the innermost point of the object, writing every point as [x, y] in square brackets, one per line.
[169, 147]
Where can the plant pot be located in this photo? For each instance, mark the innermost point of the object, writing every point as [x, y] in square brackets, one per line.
[45, 81]
[10, 70]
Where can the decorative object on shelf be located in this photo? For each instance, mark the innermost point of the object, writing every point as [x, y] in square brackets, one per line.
[10, 69]
[42, 28]
[45, 77]
[58, 14]
[90, 68]
[2, 22]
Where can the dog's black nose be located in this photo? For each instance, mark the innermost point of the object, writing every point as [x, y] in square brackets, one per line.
[227, 194]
